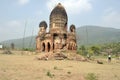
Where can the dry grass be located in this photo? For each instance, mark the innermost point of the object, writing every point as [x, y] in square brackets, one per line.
[25, 67]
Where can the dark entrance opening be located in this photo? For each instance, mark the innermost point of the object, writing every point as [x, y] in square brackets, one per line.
[55, 35]
[65, 36]
[43, 47]
[48, 46]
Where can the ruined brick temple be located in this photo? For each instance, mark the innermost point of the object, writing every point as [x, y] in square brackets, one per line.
[58, 38]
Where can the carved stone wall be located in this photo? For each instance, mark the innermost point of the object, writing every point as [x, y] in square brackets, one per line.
[57, 38]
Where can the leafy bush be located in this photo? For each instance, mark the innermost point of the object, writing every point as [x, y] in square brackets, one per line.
[69, 72]
[91, 76]
[28, 49]
[49, 74]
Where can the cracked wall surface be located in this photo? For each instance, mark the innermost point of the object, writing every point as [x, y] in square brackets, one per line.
[57, 38]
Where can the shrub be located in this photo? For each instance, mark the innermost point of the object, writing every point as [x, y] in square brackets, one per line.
[49, 74]
[91, 76]
[69, 72]
[28, 49]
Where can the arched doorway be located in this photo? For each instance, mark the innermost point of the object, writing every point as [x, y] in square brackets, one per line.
[48, 47]
[43, 47]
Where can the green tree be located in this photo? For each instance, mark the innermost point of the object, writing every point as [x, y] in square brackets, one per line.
[95, 49]
[82, 50]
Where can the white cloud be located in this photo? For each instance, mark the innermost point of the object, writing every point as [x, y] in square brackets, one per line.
[23, 2]
[72, 6]
[111, 18]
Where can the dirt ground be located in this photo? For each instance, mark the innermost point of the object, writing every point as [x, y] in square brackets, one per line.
[26, 67]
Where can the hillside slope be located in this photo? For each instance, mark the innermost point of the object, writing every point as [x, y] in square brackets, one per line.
[85, 35]
[97, 35]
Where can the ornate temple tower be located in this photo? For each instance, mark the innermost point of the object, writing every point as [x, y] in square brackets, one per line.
[58, 20]
[57, 38]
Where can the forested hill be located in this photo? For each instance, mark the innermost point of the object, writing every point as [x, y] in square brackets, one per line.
[97, 35]
[85, 35]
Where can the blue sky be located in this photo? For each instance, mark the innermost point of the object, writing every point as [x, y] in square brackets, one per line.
[14, 14]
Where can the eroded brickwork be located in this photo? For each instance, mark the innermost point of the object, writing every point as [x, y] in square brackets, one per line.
[57, 38]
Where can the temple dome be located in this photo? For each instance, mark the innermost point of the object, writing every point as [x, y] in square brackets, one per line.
[43, 24]
[72, 27]
[59, 10]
